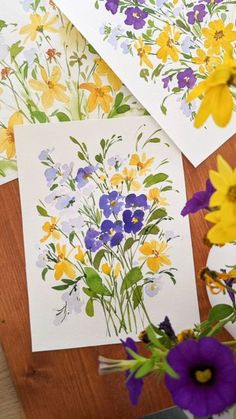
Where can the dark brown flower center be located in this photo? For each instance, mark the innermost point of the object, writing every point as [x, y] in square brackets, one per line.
[231, 195]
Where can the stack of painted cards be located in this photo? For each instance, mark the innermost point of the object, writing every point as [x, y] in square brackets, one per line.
[105, 244]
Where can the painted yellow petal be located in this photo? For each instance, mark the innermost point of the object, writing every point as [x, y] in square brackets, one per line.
[153, 264]
[69, 269]
[38, 85]
[224, 104]
[56, 235]
[92, 102]
[60, 95]
[135, 186]
[16, 119]
[47, 98]
[116, 179]
[165, 260]
[58, 271]
[11, 149]
[88, 86]
[134, 160]
[25, 29]
[115, 82]
[105, 103]
[3, 139]
[56, 75]
[97, 80]
[44, 74]
[146, 249]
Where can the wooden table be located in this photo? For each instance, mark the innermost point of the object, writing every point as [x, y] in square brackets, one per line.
[65, 384]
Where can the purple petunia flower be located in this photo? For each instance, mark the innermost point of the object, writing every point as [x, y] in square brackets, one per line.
[135, 17]
[166, 327]
[111, 203]
[112, 232]
[230, 283]
[200, 200]
[197, 15]
[207, 376]
[93, 240]
[112, 6]
[133, 221]
[134, 385]
[186, 78]
[83, 175]
[134, 201]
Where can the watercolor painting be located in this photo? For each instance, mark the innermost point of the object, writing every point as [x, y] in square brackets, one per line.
[49, 72]
[161, 50]
[106, 230]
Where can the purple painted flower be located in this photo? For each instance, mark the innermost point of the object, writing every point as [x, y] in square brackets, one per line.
[135, 201]
[186, 44]
[133, 221]
[93, 240]
[83, 175]
[200, 200]
[197, 15]
[135, 17]
[44, 154]
[64, 201]
[51, 174]
[213, 1]
[134, 385]
[186, 78]
[230, 283]
[166, 81]
[207, 376]
[166, 327]
[112, 6]
[112, 232]
[154, 286]
[111, 203]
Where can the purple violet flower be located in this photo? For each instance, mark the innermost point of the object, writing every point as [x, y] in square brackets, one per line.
[135, 17]
[197, 15]
[207, 376]
[200, 200]
[133, 221]
[186, 78]
[112, 6]
[111, 203]
[166, 81]
[93, 240]
[213, 1]
[134, 201]
[112, 232]
[83, 175]
[134, 385]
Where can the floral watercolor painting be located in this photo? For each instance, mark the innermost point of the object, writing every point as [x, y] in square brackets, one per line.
[162, 50]
[103, 248]
[49, 72]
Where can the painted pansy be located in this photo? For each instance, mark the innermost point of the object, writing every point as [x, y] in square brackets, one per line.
[133, 221]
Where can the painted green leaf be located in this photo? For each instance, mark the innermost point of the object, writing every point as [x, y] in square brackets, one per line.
[159, 213]
[80, 155]
[220, 312]
[89, 292]
[44, 272]
[52, 245]
[68, 281]
[118, 100]
[123, 109]
[149, 229]
[60, 287]
[98, 257]
[15, 50]
[40, 116]
[153, 179]
[62, 117]
[94, 282]
[2, 24]
[73, 139]
[42, 211]
[129, 243]
[6, 165]
[137, 296]
[89, 308]
[132, 277]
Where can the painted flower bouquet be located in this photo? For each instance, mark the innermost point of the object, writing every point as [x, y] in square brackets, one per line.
[199, 371]
[104, 239]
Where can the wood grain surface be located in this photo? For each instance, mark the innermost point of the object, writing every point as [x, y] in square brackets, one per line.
[65, 384]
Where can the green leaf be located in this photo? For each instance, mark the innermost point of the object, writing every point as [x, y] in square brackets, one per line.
[44, 272]
[2, 24]
[94, 282]
[220, 312]
[153, 179]
[80, 155]
[137, 296]
[68, 281]
[99, 158]
[89, 292]
[60, 287]
[52, 245]
[155, 140]
[40, 116]
[89, 308]
[6, 165]
[15, 50]
[145, 369]
[129, 243]
[73, 139]
[62, 117]
[132, 277]
[149, 229]
[98, 257]
[159, 213]
[71, 237]
[91, 49]
[42, 211]
[118, 100]
[123, 109]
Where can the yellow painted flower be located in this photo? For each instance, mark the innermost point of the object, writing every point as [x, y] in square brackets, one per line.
[224, 229]
[104, 70]
[207, 62]
[63, 266]
[50, 230]
[154, 254]
[143, 51]
[99, 95]
[142, 163]
[106, 268]
[7, 141]
[117, 270]
[129, 177]
[38, 24]
[50, 88]
[218, 36]
[217, 97]
[80, 255]
[154, 195]
[167, 41]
